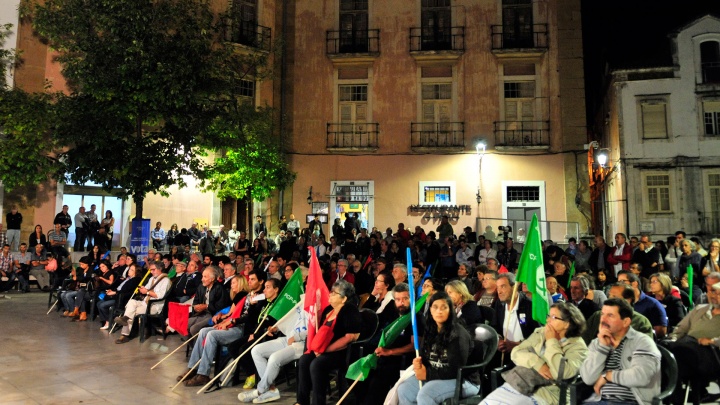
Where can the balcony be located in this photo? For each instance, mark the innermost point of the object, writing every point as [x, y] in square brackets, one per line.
[427, 43]
[365, 42]
[510, 42]
[352, 136]
[514, 135]
[248, 33]
[433, 136]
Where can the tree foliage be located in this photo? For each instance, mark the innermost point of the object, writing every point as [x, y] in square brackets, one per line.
[152, 89]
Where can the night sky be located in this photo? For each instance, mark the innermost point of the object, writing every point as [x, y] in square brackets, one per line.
[631, 34]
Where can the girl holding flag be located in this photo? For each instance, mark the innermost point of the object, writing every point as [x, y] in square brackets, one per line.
[446, 347]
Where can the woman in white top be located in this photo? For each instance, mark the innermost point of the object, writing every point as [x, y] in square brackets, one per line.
[487, 252]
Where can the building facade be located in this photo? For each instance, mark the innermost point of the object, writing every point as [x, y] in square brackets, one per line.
[662, 128]
[389, 100]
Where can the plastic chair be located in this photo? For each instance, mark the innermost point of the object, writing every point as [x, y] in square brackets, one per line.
[486, 343]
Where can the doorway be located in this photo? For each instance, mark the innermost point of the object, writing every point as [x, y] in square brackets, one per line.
[352, 197]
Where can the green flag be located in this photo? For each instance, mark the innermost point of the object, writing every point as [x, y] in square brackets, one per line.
[691, 276]
[572, 273]
[289, 296]
[532, 272]
[392, 331]
[362, 367]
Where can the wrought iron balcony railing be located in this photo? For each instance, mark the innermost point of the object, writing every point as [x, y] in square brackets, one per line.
[437, 39]
[353, 135]
[359, 41]
[532, 36]
[437, 134]
[522, 133]
[248, 33]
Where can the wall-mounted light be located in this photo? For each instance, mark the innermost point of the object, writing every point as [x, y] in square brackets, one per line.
[602, 157]
[310, 197]
[480, 147]
[478, 197]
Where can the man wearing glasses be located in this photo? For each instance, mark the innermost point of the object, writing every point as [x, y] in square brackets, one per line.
[695, 344]
[646, 305]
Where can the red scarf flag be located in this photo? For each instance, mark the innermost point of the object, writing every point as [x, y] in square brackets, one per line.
[178, 315]
[502, 269]
[316, 296]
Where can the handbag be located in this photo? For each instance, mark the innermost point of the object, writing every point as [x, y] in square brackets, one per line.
[322, 338]
[525, 380]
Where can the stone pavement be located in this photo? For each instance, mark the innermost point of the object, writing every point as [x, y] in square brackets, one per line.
[46, 359]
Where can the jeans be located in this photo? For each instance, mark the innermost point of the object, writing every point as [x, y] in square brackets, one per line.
[68, 299]
[13, 239]
[211, 338]
[432, 392]
[270, 356]
[104, 309]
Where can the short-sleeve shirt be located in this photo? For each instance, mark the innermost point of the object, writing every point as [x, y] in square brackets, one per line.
[347, 321]
[56, 236]
[40, 257]
[652, 309]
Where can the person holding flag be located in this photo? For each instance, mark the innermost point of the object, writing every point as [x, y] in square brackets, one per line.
[446, 347]
[340, 325]
[391, 357]
[273, 354]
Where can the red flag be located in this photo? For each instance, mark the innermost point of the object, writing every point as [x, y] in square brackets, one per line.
[502, 269]
[369, 259]
[178, 315]
[316, 298]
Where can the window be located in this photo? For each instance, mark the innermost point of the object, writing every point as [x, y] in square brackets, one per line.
[517, 18]
[714, 192]
[246, 92]
[437, 193]
[437, 103]
[657, 192]
[711, 117]
[353, 26]
[519, 100]
[653, 116]
[244, 24]
[353, 105]
[523, 194]
[436, 25]
[710, 61]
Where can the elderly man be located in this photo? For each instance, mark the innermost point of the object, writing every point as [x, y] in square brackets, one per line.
[273, 270]
[696, 343]
[342, 273]
[229, 272]
[211, 297]
[579, 287]
[38, 260]
[646, 305]
[399, 273]
[622, 365]
[639, 322]
[154, 290]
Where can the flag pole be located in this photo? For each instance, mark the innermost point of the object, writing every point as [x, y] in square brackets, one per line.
[186, 375]
[413, 318]
[173, 352]
[507, 319]
[349, 389]
[234, 363]
[53, 306]
[131, 297]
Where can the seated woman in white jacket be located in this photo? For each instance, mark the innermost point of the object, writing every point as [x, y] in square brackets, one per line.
[542, 352]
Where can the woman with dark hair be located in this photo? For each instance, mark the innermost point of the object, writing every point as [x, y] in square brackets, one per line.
[125, 289]
[445, 348]
[539, 358]
[109, 224]
[343, 320]
[171, 234]
[37, 238]
[95, 256]
[661, 287]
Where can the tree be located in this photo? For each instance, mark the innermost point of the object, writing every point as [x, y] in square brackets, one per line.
[254, 168]
[25, 122]
[153, 88]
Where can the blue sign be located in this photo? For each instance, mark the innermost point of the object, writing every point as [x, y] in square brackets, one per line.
[140, 239]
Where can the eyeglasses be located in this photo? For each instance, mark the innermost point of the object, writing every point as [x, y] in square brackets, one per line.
[555, 317]
[334, 293]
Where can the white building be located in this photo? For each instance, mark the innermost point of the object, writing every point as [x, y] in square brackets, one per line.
[662, 126]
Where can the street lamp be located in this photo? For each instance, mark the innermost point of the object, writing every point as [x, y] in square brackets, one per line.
[480, 148]
[602, 157]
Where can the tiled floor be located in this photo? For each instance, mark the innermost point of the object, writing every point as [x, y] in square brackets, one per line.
[46, 359]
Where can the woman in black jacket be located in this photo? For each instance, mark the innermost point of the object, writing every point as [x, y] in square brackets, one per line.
[661, 288]
[446, 347]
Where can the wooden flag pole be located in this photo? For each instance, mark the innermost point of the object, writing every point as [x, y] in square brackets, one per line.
[173, 352]
[507, 319]
[185, 376]
[349, 389]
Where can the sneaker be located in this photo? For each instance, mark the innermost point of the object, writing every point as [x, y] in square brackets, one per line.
[248, 396]
[272, 395]
[105, 327]
[249, 382]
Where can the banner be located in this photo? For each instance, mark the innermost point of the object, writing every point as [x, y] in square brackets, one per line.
[531, 271]
[140, 239]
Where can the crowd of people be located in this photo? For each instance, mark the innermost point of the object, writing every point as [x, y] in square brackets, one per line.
[611, 307]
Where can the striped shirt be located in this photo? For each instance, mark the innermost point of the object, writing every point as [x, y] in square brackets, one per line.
[612, 391]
